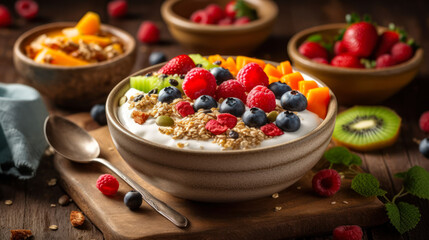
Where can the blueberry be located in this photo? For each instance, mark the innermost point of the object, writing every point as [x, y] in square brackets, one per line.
[424, 147]
[294, 101]
[221, 74]
[133, 200]
[157, 57]
[232, 106]
[168, 94]
[288, 121]
[204, 102]
[98, 113]
[279, 89]
[255, 117]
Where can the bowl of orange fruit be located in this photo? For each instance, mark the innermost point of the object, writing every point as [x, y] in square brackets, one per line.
[75, 65]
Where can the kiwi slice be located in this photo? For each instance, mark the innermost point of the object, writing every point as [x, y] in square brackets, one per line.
[205, 63]
[159, 81]
[366, 128]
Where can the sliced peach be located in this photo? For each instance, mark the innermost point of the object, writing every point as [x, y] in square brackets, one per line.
[217, 57]
[272, 71]
[89, 24]
[102, 41]
[57, 58]
[292, 79]
[304, 86]
[285, 67]
[318, 101]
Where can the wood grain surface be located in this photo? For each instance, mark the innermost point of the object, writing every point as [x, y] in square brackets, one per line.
[31, 199]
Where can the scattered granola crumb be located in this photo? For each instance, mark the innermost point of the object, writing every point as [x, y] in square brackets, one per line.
[52, 182]
[345, 202]
[49, 151]
[201, 147]
[64, 200]
[8, 202]
[53, 205]
[139, 116]
[180, 145]
[299, 187]
[333, 203]
[275, 195]
[53, 227]
[77, 218]
[20, 234]
[277, 208]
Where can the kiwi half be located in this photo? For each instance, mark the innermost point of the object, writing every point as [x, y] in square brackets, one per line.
[366, 128]
[155, 80]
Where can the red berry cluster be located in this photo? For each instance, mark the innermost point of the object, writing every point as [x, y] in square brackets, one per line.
[27, 9]
[214, 14]
[223, 122]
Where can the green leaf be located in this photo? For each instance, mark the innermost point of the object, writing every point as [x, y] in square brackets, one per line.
[338, 155]
[340, 35]
[416, 182]
[367, 185]
[352, 18]
[401, 175]
[315, 38]
[403, 216]
[244, 10]
[356, 160]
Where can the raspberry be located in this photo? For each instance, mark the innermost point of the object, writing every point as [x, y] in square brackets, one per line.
[215, 127]
[242, 21]
[261, 97]
[107, 184]
[227, 119]
[199, 81]
[117, 8]
[252, 75]
[313, 50]
[231, 88]
[320, 60]
[201, 16]
[347, 232]
[384, 60]
[215, 12]
[27, 9]
[424, 121]
[184, 108]
[5, 18]
[326, 182]
[148, 32]
[225, 21]
[271, 129]
[401, 52]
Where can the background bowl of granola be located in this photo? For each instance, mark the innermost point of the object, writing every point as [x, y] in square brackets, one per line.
[74, 86]
[218, 176]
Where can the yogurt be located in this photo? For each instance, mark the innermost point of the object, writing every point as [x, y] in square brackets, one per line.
[149, 130]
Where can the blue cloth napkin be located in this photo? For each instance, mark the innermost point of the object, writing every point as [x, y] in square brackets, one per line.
[22, 142]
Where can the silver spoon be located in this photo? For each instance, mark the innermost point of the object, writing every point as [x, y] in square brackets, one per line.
[74, 143]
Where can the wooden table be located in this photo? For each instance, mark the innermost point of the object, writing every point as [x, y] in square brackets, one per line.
[32, 199]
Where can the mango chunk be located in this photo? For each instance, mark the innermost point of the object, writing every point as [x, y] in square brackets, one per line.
[272, 71]
[55, 57]
[305, 86]
[89, 24]
[292, 79]
[285, 67]
[318, 101]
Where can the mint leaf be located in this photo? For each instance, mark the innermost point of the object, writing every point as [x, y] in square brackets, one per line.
[416, 182]
[367, 185]
[315, 38]
[244, 10]
[356, 160]
[403, 216]
[341, 155]
[401, 175]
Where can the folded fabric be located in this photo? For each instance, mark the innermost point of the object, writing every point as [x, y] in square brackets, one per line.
[22, 142]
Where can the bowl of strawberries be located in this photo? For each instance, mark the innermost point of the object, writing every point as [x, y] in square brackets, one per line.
[219, 26]
[361, 62]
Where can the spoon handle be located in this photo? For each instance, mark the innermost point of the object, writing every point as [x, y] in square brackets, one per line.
[162, 208]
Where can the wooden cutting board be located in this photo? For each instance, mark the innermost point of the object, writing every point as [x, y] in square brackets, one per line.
[302, 212]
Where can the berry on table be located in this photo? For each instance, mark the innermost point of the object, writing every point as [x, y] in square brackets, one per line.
[261, 97]
[326, 182]
[424, 121]
[27, 9]
[215, 127]
[294, 101]
[401, 52]
[271, 129]
[107, 184]
[227, 119]
[231, 88]
[288, 121]
[385, 60]
[178, 65]
[255, 117]
[347, 232]
[5, 18]
[233, 106]
[133, 200]
[205, 102]
[157, 57]
[252, 75]
[345, 60]
[199, 81]
[168, 94]
[148, 32]
[98, 113]
[424, 147]
[221, 74]
[313, 50]
[117, 8]
[184, 108]
[279, 88]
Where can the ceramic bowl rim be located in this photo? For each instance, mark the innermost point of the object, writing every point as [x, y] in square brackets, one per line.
[292, 49]
[129, 42]
[115, 123]
[172, 18]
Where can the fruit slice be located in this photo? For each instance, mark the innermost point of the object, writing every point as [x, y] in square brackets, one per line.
[272, 71]
[217, 57]
[230, 65]
[47, 55]
[242, 61]
[272, 79]
[285, 68]
[198, 59]
[318, 101]
[366, 128]
[292, 79]
[159, 81]
[305, 86]
[102, 41]
[89, 24]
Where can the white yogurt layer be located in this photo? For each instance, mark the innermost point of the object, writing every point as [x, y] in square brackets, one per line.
[149, 130]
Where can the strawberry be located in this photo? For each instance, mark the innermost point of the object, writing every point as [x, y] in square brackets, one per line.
[345, 60]
[230, 9]
[313, 50]
[339, 48]
[360, 39]
[384, 60]
[401, 52]
[178, 65]
[386, 42]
